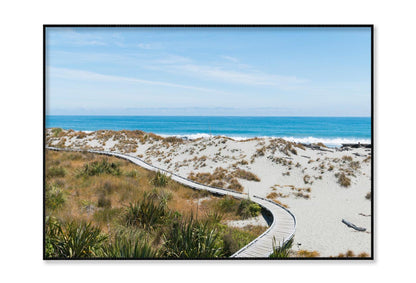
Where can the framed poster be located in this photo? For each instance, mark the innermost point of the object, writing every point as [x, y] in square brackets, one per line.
[208, 142]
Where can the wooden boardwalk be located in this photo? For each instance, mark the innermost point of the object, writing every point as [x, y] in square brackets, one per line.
[282, 228]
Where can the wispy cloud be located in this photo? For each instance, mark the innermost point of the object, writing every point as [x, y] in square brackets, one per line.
[234, 72]
[241, 77]
[146, 46]
[69, 36]
[229, 58]
[73, 74]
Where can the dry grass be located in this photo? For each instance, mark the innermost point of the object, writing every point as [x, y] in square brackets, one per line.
[347, 158]
[235, 186]
[321, 145]
[173, 140]
[306, 253]
[222, 178]
[219, 176]
[298, 145]
[343, 180]
[103, 199]
[260, 152]
[350, 254]
[125, 141]
[301, 195]
[90, 195]
[272, 195]
[243, 174]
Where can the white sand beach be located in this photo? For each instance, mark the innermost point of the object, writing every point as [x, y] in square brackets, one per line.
[306, 180]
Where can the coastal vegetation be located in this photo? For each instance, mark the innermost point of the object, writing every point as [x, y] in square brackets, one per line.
[104, 207]
[343, 180]
[281, 251]
[106, 188]
[222, 178]
[350, 254]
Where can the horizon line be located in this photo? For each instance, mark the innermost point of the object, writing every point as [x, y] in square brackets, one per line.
[284, 116]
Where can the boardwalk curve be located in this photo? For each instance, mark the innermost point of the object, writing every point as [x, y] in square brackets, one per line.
[281, 230]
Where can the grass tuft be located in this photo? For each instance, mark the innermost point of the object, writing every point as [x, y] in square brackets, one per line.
[347, 158]
[54, 197]
[281, 251]
[190, 238]
[305, 253]
[146, 213]
[272, 195]
[72, 239]
[243, 174]
[130, 245]
[343, 180]
[100, 167]
[160, 179]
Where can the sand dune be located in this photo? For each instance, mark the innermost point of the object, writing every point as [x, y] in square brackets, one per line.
[321, 186]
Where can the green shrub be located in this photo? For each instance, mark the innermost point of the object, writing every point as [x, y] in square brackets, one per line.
[55, 172]
[189, 238]
[248, 209]
[236, 238]
[214, 217]
[130, 245]
[281, 251]
[227, 204]
[54, 197]
[72, 239]
[56, 131]
[146, 213]
[100, 167]
[161, 195]
[160, 179]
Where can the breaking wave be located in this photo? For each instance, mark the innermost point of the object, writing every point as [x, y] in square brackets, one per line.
[306, 140]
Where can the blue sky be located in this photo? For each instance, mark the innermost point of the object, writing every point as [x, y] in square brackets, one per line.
[209, 71]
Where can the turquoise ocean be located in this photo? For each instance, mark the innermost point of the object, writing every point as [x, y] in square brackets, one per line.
[332, 131]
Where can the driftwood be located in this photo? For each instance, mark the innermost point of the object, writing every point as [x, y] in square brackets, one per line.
[357, 145]
[349, 224]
